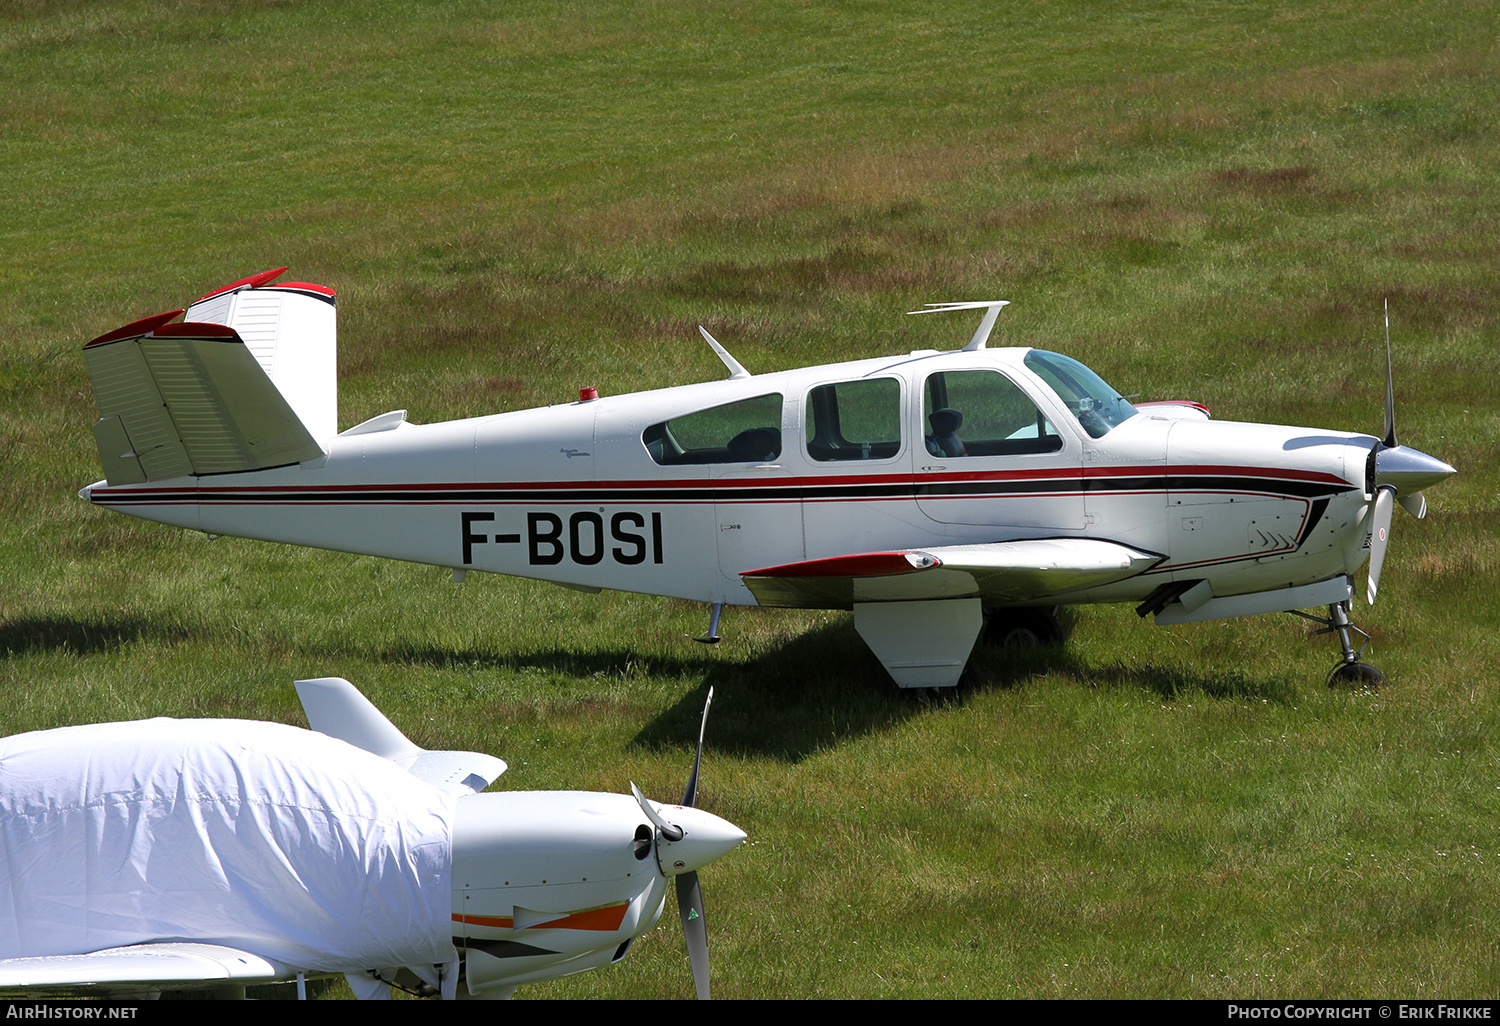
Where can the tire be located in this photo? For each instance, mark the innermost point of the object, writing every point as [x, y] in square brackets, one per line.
[1356, 677]
[1023, 628]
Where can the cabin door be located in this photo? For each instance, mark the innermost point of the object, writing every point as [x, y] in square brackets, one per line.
[989, 457]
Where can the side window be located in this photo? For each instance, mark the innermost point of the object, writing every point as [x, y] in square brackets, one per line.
[748, 431]
[854, 420]
[983, 413]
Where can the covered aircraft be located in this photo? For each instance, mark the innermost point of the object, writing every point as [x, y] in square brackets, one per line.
[928, 493]
[187, 854]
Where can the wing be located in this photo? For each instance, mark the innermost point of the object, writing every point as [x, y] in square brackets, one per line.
[999, 573]
[920, 610]
[142, 967]
[336, 708]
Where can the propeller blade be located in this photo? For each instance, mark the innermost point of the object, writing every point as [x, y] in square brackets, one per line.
[1380, 533]
[698, 839]
[1390, 396]
[1416, 504]
[691, 794]
[694, 929]
[667, 830]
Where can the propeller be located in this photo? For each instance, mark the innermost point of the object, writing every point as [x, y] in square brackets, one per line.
[1395, 474]
[694, 840]
[1380, 531]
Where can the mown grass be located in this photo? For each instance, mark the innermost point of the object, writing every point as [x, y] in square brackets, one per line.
[1208, 201]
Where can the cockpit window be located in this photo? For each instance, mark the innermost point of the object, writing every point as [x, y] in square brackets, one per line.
[854, 420]
[983, 413]
[748, 431]
[1097, 406]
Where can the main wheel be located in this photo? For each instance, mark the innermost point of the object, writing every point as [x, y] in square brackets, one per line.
[1023, 627]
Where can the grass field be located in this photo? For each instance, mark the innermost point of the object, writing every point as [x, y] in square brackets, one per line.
[1200, 200]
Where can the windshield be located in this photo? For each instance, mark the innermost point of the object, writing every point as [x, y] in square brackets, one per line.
[1097, 406]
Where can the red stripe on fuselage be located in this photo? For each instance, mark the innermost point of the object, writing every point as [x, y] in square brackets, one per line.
[864, 564]
[332, 493]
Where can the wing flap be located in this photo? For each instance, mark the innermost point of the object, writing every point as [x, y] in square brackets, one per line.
[144, 966]
[1000, 573]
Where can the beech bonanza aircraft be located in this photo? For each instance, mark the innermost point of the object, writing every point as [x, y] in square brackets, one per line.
[188, 854]
[925, 492]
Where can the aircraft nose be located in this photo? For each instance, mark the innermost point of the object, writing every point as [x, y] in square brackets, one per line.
[705, 837]
[1409, 470]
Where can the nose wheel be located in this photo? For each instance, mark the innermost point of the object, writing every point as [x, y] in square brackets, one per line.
[1349, 672]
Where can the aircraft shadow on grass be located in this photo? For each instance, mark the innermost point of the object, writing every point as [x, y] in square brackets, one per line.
[789, 701]
[1163, 680]
[85, 634]
[823, 688]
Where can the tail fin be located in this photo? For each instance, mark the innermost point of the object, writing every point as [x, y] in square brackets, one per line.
[336, 708]
[246, 382]
[291, 328]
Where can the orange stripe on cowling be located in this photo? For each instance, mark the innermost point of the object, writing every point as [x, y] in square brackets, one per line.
[498, 922]
[607, 920]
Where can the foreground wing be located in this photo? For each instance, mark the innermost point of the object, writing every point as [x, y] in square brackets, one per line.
[142, 967]
[999, 573]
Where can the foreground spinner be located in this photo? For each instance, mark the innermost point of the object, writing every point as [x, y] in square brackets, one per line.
[926, 492]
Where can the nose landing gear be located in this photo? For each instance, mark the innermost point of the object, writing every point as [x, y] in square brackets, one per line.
[1349, 672]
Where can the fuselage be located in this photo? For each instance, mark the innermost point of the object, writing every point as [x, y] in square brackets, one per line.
[679, 491]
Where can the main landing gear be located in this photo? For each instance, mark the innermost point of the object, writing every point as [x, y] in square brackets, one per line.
[1023, 627]
[1349, 672]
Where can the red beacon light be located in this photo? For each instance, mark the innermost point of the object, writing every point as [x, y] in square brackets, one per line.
[588, 394]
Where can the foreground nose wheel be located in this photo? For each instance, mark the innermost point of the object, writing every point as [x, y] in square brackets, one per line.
[1349, 672]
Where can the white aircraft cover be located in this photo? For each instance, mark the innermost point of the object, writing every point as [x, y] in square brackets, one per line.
[277, 840]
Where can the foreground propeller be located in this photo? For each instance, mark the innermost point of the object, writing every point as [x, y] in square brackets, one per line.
[695, 839]
[1396, 473]
[1380, 532]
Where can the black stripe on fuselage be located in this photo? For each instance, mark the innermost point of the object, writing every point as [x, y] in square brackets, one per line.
[1314, 515]
[566, 494]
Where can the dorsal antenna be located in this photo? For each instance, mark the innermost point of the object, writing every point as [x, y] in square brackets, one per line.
[736, 370]
[991, 308]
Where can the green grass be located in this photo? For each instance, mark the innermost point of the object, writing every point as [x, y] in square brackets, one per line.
[1206, 201]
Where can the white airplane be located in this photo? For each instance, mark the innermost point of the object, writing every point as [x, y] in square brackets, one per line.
[214, 854]
[925, 492]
